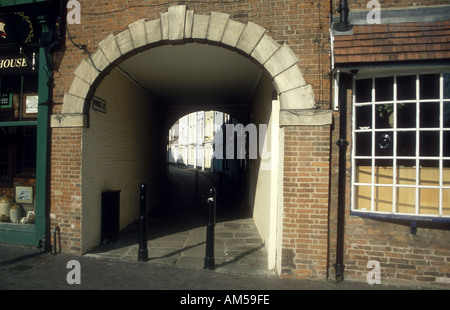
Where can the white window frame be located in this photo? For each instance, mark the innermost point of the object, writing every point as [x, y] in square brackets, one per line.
[417, 186]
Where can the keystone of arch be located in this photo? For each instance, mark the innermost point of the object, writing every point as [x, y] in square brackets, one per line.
[177, 26]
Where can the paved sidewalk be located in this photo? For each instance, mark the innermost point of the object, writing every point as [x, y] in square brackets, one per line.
[238, 247]
[23, 268]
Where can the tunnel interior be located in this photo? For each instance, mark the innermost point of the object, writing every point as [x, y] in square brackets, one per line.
[196, 173]
[127, 145]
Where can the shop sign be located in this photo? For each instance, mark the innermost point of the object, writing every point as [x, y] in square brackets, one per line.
[6, 100]
[14, 64]
[99, 104]
[18, 28]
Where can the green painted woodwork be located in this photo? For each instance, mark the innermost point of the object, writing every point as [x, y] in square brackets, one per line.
[37, 234]
[21, 2]
[18, 124]
[42, 143]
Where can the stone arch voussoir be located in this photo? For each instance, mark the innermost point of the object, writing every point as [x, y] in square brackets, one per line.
[177, 26]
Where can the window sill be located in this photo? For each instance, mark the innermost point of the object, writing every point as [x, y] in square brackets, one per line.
[404, 217]
[434, 222]
[11, 227]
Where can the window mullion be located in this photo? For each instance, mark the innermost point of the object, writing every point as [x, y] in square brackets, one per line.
[394, 151]
[417, 192]
[353, 152]
[441, 142]
[372, 185]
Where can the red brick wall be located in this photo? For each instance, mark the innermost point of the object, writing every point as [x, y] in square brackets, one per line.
[65, 185]
[420, 258]
[305, 202]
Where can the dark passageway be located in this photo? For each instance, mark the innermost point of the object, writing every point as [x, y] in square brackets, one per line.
[176, 232]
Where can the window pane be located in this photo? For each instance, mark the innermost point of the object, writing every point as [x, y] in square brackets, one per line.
[429, 143]
[363, 117]
[406, 175]
[406, 143]
[446, 202]
[26, 152]
[384, 144]
[363, 162]
[363, 174]
[363, 144]
[429, 173]
[446, 191]
[383, 162]
[429, 201]
[446, 146]
[406, 115]
[363, 91]
[384, 172]
[406, 87]
[383, 199]
[429, 115]
[4, 162]
[429, 86]
[385, 118]
[446, 164]
[406, 200]
[406, 162]
[384, 89]
[446, 85]
[446, 114]
[362, 198]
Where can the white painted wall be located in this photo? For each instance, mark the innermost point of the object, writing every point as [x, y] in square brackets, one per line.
[263, 172]
[117, 153]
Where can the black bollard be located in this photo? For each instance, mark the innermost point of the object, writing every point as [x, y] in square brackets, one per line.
[196, 187]
[143, 252]
[209, 256]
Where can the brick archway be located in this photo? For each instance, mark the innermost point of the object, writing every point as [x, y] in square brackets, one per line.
[304, 134]
[179, 25]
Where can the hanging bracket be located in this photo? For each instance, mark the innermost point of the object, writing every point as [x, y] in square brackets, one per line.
[413, 228]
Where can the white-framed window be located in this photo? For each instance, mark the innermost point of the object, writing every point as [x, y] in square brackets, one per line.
[401, 144]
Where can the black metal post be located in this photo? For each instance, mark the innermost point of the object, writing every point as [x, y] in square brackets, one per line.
[209, 255]
[196, 186]
[143, 252]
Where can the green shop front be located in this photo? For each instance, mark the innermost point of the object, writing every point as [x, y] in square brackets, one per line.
[27, 36]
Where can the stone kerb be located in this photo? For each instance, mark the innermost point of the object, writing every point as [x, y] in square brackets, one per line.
[178, 26]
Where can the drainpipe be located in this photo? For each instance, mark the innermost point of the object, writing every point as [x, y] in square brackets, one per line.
[343, 24]
[61, 28]
[342, 143]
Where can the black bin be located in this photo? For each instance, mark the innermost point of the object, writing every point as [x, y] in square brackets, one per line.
[110, 216]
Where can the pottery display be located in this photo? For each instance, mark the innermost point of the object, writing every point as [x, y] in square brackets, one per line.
[5, 205]
[15, 213]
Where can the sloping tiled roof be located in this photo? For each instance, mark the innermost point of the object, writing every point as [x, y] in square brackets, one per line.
[394, 42]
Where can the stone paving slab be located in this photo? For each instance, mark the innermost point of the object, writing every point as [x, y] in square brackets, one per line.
[238, 248]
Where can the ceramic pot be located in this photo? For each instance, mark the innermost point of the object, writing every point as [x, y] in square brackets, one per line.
[5, 205]
[15, 213]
